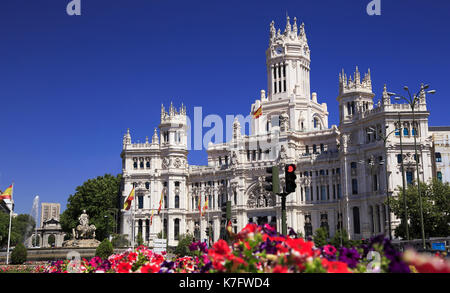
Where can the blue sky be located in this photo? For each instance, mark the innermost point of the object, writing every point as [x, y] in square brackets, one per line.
[70, 86]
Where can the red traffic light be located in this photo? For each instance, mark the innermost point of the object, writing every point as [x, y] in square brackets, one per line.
[290, 168]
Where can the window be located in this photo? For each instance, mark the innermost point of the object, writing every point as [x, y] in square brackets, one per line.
[140, 202]
[307, 194]
[177, 201]
[165, 201]
[438, 157]
[176, 230]
[356, 225]
[354, 186]
[353, 165]
[314, 148]
[375, 182]
[409, 177]
[338, 170]
[135, 165]
[322, 148]
[323, 195]
[338, 188]
[307, 149]
[399, 158]
[405, 131]
[141, 165]
[439, 176]
[148, 164]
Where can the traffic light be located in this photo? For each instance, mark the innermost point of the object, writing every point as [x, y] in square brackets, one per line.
[290, 177]
[273, 181]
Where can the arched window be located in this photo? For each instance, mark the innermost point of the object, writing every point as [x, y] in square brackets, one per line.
[147, 185]
[148, 164]
[141, 165]
[135, 165]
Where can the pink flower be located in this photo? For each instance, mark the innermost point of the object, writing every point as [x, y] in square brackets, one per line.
[329, 250]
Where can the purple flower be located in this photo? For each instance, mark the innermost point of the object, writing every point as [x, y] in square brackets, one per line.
[350, 256]
[193, 246]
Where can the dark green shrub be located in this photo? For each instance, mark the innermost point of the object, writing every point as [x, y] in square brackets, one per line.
[105, 249]
[182, 248]
[19, 254]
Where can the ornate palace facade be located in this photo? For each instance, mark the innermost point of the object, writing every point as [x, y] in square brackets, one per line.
[341, 178]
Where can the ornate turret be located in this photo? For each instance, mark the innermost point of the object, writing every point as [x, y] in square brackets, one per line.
[126, 138]
[155, 139]
[288, 60]
[236, 129]
[355, 85]
[386, 100]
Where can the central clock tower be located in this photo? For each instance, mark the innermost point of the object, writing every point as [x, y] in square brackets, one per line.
[288, 61]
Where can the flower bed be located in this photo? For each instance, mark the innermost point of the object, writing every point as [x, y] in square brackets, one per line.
[259, 249]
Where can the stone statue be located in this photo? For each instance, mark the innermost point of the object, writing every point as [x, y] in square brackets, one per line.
[84, 230]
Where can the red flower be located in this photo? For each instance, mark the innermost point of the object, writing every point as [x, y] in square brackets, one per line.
[132, 256]
[335, 266]
[150, 268]
[221, 248]
[124, 267]
[279, 269]
[304, 248]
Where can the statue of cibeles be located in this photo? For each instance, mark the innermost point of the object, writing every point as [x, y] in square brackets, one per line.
[84, 230]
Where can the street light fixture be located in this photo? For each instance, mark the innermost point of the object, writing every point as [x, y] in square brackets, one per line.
[412, 100]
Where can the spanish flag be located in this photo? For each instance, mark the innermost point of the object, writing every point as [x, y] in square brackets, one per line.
[7, 194]
[151, 218]
[128, 201]
[160, 201]
[257, 113]
[205, 206]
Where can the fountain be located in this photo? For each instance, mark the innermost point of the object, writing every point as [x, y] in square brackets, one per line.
[35, 214]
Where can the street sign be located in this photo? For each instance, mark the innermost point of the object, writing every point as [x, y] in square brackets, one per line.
[159, 245]
[438, 246]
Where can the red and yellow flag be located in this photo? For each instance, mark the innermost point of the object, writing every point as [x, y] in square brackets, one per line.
[128, 201]
[161, 201]
[151, 218]
[205, 206]
[257, 113]
[7, 194]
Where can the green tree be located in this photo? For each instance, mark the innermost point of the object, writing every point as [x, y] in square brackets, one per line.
[182, 248]
[320, 237]
[105, 249]
[99, 197]
[19, 254]
[435, 205]
[340, 238]
[139, 239]
[21, 228]
[119, 240]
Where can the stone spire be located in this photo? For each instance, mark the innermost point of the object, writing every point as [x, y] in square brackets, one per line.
[386, 99]
[295, 30]
[354, 83]
[155, 137]
[146, 140]
[236, 129]
[127, 138]
[273, 31]
[288, 25]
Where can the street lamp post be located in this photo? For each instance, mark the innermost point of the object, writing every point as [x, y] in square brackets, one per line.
[413, 100]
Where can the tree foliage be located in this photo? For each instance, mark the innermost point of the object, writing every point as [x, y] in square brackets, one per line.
[182, 248]
[22, 227]
[19, 254]
[436, 210]
[99, 197]
[321, 237]
[105, 249]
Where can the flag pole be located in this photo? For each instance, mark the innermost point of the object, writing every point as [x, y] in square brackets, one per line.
[10, 217]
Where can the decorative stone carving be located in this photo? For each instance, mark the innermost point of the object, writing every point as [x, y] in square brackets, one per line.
[177, 163]
[84, 235]
[165, 163]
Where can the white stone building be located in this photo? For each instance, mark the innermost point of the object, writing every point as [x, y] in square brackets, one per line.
[340, 169]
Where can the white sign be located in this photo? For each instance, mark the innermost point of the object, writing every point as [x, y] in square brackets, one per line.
[159, 245]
